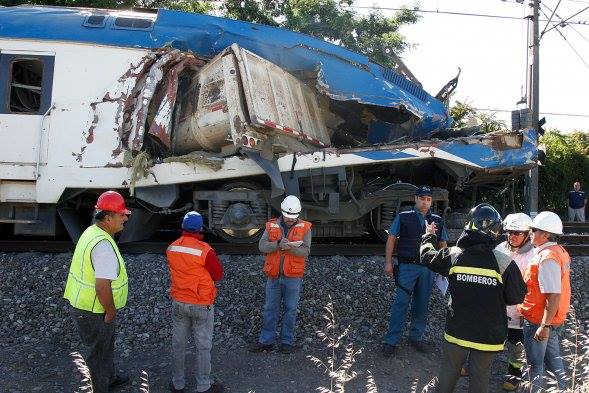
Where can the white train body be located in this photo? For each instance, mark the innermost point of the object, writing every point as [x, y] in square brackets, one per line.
[76, 112]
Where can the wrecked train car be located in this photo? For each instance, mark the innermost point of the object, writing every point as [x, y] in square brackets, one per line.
[184, 111]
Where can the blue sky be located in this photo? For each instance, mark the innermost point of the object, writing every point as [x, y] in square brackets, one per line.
[492, 55]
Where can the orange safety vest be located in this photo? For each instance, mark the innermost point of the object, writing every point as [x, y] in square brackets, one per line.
[190, 281]
[534, 303]
[294, 265]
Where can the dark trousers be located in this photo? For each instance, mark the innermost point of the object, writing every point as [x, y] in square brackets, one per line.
[99, 337]
[478, 368]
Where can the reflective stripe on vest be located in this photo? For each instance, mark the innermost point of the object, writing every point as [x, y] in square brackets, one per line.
[185, 250]
[80, 287]
[294, 265]
[534, 303]
[190, 282]
[473, 345]
[477, 271]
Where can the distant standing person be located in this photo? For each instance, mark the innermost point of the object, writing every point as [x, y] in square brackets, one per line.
[97, 288]
[576, 202]
[286, 243]
[414, 281]
[194, 270]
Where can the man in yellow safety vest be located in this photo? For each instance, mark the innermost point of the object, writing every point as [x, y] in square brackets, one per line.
[97, 287]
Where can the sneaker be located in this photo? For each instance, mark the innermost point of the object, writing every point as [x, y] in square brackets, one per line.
[286, 348]
[511, 383]
[259, 347]
[173, 389]
[419, 346]
[463, 372]
[119, 379]
[216, 387]
[388, 350]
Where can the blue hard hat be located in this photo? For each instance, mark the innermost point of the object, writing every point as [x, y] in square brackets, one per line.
[192, 222]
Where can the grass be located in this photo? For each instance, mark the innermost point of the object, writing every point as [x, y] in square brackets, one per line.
[341, 355]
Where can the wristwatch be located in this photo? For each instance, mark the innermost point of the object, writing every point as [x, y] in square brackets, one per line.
[546, 326]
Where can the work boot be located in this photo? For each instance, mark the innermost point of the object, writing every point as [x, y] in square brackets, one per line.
[511, 383]
[419, 346]
[119, 379]
[388, 350]
[173, 388]
[259, 347]
[216, 387]
[286, 349]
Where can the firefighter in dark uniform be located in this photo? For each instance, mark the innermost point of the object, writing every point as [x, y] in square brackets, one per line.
[482, 281]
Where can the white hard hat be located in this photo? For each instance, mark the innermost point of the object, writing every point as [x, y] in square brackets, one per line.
[548, 222]
[291, 207]
[517, 222]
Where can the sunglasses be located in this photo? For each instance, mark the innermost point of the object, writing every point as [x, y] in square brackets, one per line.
[517, 233]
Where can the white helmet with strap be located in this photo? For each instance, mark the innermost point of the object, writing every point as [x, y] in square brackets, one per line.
[548, 222]
[517, 222]
[291, 207]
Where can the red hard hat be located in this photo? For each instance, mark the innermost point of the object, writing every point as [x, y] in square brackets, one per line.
[112, 201]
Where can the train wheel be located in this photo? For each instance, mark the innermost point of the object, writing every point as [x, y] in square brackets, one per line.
[382, 217]
[241, 213]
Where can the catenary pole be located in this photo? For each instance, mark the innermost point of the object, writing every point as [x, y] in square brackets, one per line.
[533, 99]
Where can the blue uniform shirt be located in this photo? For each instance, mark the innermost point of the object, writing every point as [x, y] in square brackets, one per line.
[577, 199]
[395, 228]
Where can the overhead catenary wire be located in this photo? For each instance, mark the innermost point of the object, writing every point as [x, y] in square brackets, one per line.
[569, 26]
[566, 21]
[457, 13]
[542, 113]
[550, 19]
[567, 42]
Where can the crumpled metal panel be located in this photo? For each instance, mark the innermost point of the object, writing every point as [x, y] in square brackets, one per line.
[151, 84]
[343, 74]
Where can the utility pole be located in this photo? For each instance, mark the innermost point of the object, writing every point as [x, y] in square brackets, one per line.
[533, 99]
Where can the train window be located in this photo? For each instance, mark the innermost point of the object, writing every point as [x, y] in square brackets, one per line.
[26, 87]
[129, 23]
[95, 21]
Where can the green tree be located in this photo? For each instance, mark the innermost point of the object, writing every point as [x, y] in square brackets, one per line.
[566, 162]
[461, 113]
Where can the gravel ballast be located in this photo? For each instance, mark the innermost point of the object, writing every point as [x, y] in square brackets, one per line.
[34, 312]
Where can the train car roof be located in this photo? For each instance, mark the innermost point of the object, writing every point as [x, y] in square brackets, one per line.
[342, 74]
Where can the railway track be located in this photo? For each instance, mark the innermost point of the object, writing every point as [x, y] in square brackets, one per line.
[575, 239]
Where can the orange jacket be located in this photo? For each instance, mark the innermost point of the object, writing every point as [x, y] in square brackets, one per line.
[190, 281]
[294, 265]
[534, 303]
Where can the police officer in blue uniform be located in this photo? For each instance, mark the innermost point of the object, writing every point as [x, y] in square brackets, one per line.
[414, 282]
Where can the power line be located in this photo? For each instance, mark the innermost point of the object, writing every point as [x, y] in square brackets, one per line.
[565, 39]
[549, 19]
[564, 21]
[572, 27]
[456, 13]
[542, 113]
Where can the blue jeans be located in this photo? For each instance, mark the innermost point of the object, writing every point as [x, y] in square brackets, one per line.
[419, 280]
[540, 353]
[280, 291]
